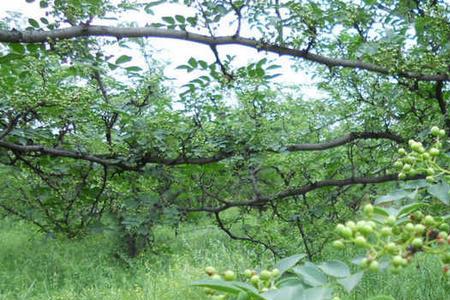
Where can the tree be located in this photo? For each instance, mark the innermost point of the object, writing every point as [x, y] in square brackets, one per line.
[85, 133]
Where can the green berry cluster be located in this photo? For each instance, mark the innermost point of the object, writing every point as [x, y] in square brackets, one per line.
[395, 240]
[263, 281]
[420, 160]
[227, 275]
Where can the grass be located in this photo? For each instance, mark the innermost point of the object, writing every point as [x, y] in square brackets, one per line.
[35, 267]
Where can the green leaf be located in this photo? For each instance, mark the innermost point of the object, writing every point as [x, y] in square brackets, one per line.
[148, 6]
[394, 196]
[185, 67]
[335, 268]
[218, 285]
[193, 62]
[169, 20]
[440, 191]
[112, 66]
[351, 281]
[133, 69]
[180, 19]
[415, 184]
[192, 21]
[17, 48]
[311, 274]
[231, 287]
[203, 64]
[243, 296]
[259, 72]
[123, 59]
[33, 23]
[285, 293]
[260, 63]
[380, 211]
[288, 262]
[299, 293]
[289, 280]
[317, 293]
[407, 209]
[249, 289]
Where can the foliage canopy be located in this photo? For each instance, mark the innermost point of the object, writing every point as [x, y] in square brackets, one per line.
[86, 132]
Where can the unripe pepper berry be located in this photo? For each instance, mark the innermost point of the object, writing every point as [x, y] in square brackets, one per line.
[374, 266]
[417, 243]
[265, 275]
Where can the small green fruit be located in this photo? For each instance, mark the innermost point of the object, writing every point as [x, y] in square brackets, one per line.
[374, 266]
[351, 225]
[390, 221]
[275, 273]
[229, 275]
[360, 241]
[446, 258]
[265, 275]
[344, 231]
[397, 260]
[368, 209]
[210, 271]
[248, 273]
[216, 276]
[443, 235]
[398, 164]
[409, 227]
[435, 130]
[428, 220]
[417, 243]
[255, 279]
[444, 227]
[434, 152]
[338, 244]
[391, 248]
[419, 228]
[386, 231]
[364, 262]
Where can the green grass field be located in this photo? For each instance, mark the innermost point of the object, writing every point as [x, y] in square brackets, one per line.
[35, 267]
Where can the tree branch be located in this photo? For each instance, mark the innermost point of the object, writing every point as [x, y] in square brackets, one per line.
[302, 190]
[243, 238]
[34, 36]
[123, 162]
[345, 140]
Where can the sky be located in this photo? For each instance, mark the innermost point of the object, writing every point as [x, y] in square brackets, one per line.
[176, 52]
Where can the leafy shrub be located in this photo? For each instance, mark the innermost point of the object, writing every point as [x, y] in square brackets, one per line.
[389, 232]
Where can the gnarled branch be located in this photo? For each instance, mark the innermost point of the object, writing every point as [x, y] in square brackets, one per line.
[302, 190]
[34, 36]
[124, 164]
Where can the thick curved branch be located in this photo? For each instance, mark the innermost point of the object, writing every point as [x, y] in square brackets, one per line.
[303, 190]
[114, 162]
[345, 140]
[34, 36]
[124, 164]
